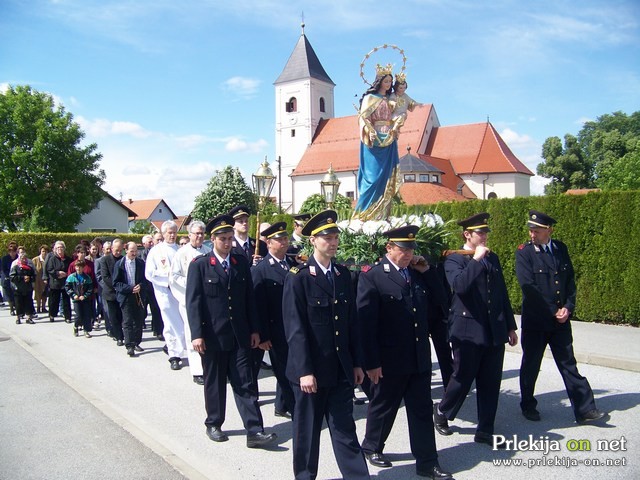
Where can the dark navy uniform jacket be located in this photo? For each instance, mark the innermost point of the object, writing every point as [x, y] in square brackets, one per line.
[220, 306]
[548, 283]
[237, 248]
[320, 325]
[393, 316]
[268, 284]
[480, 311]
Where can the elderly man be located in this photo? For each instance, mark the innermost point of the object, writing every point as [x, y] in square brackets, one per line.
[5, 264]
[325, 357]
[392, 305]
[131, 287]
[547, 279]
[158, 271]
[224, 330]
[268, 281]
[481, 322]
[178, 283]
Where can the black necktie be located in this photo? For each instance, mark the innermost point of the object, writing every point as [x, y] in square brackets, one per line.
[247, 250]
[330, 277]
[284, 265]
[405, 274]
[225, 266]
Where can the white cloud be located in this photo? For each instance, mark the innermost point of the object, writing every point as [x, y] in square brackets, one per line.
[238, 145]
[242, 86]
[102, 128]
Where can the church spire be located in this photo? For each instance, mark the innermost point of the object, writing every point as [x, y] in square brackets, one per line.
[303, 63]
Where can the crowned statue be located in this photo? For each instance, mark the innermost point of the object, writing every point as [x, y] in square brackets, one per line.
[382, 113]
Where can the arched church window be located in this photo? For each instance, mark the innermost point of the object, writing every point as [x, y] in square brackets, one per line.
[292, 105]
[322, 107]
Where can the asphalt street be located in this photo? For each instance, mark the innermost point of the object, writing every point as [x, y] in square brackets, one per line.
[80, 408]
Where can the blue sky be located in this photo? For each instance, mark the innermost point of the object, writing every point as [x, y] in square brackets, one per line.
[173, 90]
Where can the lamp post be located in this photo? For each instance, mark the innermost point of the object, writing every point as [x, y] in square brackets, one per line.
[263, 181]
[329, 186]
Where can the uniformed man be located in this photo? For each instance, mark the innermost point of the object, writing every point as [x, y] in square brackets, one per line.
[224, 329]
[324, 359]
[481, 322]
[392, 309]
[268, 281]
[297, 239]
[546, 276]
[243, 243]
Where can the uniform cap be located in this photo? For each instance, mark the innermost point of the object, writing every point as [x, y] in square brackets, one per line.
[276, 230]
[322, 223]
[476, 223]
[539, 219]
[404, 237]
[220, 224]
[239, 211]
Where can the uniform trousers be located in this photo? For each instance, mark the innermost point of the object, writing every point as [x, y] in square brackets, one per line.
[415, 390]
[235, 365]
[284, 401]
[173, 325]
[484, 365]
[57, 296]
[195, 362]
[132, 320]
[157, 325]
[440, 339]
[115, 319]
[335, 404]
[560, 341]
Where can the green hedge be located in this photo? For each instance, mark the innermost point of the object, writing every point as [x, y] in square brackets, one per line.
[600, 229]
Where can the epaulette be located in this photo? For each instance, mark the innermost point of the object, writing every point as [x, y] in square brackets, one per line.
[365, 268]
[294, 270]
[521, 246]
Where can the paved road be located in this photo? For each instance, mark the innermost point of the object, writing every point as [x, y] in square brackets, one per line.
[80, 408]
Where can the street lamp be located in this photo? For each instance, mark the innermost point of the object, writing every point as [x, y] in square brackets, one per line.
[263, 181]
[329, 186]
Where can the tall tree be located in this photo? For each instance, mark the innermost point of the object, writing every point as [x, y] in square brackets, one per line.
[605, 154]
[565, 165]
[47, 179]
[226, 189]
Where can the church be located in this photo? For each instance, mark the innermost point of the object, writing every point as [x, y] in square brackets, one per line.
[437, 163]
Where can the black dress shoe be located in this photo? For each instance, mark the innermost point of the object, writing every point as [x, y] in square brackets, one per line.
[434, 472]
[160, 337]
[282, 413]
[378, 460]
[260, 439]
[131, 352]
[175, 363]
[531, 414]
[67, 320]
[591, 416]
[482, 437]
[120, 343]
[440, 422]
[138, 348]
[52, 319]
[216, 434]
[198, 379]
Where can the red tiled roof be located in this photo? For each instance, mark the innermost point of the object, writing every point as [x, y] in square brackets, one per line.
[144, 208]
[581, 191]
[474, 148]
[337, 141]
[449, 178]
[427, 194]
